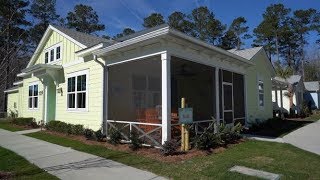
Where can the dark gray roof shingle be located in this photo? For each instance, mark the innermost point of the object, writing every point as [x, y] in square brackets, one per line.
[83, 38]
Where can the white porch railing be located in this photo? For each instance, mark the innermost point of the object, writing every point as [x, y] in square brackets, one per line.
[134, 126]
[153, 136]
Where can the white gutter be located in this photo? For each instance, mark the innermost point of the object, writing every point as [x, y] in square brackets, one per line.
[11, 90]
[166, 31]
[17, 83]
[134, 40]
[88, 51]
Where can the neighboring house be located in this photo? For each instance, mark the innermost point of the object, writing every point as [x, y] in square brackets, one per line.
[281, 96]
[311, 94]
[135, 83]
[258, 84]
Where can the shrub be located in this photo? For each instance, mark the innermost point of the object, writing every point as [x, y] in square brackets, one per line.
[207, 140]
[25, 122]
[78, 129]
[115, 136]
[98, 135]
[136, 143]
[89, 134]
[169, 148]
[230, 134]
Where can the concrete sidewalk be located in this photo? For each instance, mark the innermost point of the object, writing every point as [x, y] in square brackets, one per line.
[66, 163]
[307, 137]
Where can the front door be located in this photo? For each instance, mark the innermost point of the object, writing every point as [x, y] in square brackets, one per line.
[227, 103]
[51, 101]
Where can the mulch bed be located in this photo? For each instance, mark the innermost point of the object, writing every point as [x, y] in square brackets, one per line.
[149, 152]
[6, 175]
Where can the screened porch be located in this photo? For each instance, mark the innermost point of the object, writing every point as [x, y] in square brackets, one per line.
[144, 96]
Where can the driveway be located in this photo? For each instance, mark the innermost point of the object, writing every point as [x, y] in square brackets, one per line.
[307, 137]
[66, 163]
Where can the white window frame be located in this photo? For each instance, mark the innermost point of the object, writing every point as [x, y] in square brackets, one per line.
[32, 97]
[261, 92]
[54, 48]
[76, 74]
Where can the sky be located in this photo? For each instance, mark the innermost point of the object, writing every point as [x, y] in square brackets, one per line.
[119, 14]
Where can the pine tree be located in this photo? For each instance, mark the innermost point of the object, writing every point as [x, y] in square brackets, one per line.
[155, 19]
[44, 11]
[84, 19]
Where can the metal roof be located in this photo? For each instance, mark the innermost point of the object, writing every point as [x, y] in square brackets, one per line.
[246, 53]
[312, 85]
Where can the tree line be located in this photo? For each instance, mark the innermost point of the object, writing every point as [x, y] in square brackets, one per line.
[282, 32]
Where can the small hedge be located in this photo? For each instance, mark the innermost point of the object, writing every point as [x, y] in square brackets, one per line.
[30, 122]
[66, 128]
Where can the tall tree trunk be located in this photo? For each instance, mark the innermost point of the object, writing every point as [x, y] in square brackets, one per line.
[277, 48]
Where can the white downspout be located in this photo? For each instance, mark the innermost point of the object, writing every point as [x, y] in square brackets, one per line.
[104, 95]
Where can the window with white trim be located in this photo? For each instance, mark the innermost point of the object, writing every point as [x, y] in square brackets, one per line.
[77, 92]
[261, 93]
[52, 54]
[33, 96]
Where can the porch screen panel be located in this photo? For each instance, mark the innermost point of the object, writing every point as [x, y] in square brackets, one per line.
[135, 91]
[238, 95]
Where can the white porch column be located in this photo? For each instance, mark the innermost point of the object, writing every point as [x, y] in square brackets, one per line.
[276, 94]
[217, 98]
[45, 103]
[281, 99]
[166, 96]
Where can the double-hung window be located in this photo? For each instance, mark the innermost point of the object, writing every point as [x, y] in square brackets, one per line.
[33, 96]
[77, 91]
[52, 54]
[261, 93]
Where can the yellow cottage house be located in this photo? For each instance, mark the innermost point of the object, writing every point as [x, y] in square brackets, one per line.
[136, 82]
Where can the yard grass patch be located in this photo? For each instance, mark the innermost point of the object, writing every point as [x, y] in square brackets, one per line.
[7, 125]
[283, 159]
[16, 167]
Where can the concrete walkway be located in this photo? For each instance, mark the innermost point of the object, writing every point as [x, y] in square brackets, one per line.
[307, 137]
[28, 131]
[66, 163]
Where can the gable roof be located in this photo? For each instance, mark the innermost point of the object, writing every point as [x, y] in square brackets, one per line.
[83, 38]
[246, 53]
[312, 86]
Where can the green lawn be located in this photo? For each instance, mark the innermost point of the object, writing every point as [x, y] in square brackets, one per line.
[5, 124]
[20, 168]
[313, 117]
[284, 159]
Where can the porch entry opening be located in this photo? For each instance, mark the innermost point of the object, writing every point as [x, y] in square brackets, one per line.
[232, 97]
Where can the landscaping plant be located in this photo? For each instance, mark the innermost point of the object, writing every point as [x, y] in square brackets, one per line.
[115, 136]
[89, 134]
[136, 143]
[169, 148]
[98, 135]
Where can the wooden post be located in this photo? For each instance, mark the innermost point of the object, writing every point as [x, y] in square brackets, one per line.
[184, 131]
[183, 103]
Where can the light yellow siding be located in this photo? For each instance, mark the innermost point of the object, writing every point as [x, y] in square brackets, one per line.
[91, 118]
[258, 72]
[68, 48]
[13, 103]
[26, 112]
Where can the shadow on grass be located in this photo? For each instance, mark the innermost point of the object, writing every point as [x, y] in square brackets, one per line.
[277, 128]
